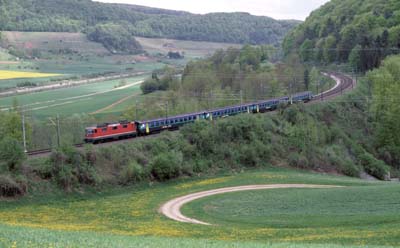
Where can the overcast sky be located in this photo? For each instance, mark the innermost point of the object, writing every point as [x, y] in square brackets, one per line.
[278, 9]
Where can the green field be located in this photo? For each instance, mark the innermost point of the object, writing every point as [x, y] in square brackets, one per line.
[81, 99]
[302, 208]
[363, 213]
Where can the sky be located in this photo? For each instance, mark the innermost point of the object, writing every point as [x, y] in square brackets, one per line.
[277, 9]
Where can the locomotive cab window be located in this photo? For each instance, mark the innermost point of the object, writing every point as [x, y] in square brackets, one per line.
[114, 128]
[125, 126]
[89, 131]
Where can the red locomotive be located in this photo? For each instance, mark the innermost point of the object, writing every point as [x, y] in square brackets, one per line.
[110, 131]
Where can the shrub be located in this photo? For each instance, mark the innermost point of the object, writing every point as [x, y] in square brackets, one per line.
[69, 167]
[132, 173]
[297, 160]
[374, 166]
[10, 188]
[349, 168]
[42, 168]
[201, 165]
[167, 165]
[11, 154]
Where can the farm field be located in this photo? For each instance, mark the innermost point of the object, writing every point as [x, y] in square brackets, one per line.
[69, 54]
[50, 41]
[360, 214]
[21, 74]
[81, 99]
[192, 49]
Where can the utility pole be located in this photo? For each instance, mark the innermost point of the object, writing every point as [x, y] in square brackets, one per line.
[58, 130]
[241, 99]
[136, 110]
[291, 90]
[166, 111]
[24, 131]
[322, 92]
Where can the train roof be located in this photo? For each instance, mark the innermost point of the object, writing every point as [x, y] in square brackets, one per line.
[213, 110]
[110, 124]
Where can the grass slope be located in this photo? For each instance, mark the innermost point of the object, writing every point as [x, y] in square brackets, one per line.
[192, 49]
[35, 238]
[133, 212]
[81, 99]
[303, 208]
[51, 41]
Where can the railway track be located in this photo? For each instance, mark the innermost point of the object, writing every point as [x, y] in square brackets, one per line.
[346, 83]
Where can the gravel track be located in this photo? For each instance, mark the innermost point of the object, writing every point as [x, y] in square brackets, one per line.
[171, 209]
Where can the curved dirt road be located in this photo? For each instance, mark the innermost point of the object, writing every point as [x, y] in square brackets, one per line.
[171, 209]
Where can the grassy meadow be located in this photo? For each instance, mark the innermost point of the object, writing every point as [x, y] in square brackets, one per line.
[86, 99]
[360, 214]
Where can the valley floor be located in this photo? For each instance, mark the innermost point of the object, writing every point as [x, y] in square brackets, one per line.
[362, 213]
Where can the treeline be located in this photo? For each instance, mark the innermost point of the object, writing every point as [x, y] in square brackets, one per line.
[229, 77]
[385, 86]
[114, 37]
[84, 15]
[361, 32]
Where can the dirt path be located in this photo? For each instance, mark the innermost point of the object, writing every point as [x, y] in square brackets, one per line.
[171, 209]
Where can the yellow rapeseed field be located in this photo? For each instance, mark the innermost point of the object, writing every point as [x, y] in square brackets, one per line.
[22, 74]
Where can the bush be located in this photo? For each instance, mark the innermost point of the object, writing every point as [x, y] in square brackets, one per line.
[336, 157]
[69, 167]
[297, 160]
[42, 168]
[348, 168]
[373, 166]
[132, 173]
[11, 154]
[167, 165]
[10, 188]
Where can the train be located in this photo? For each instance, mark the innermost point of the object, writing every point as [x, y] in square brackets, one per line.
[130, 129]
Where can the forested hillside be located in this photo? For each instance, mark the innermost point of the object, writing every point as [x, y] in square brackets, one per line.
[96, 18]
[361, 32]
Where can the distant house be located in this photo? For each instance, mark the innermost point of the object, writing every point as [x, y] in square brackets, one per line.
[175, 55]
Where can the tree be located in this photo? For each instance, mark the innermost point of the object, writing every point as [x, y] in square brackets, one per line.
[307, 51]
[314, 76]
[355, 58]
[385, 107]
[114, 37]
[11, 154]
[330, 49]
[306, 79]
